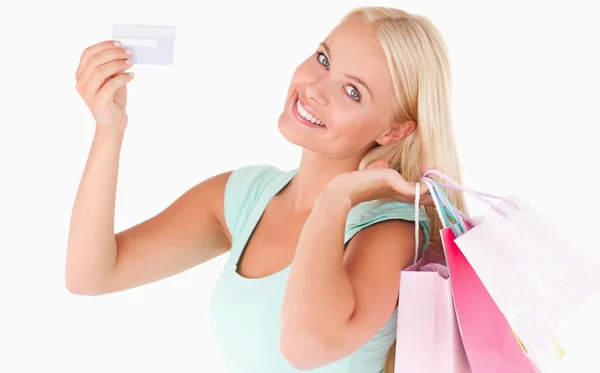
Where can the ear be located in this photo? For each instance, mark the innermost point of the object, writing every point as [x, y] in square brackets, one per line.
[397, 132]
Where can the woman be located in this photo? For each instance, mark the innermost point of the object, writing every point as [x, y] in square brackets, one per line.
[323, 246]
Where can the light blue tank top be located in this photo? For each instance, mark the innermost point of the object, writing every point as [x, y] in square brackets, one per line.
[245, 313]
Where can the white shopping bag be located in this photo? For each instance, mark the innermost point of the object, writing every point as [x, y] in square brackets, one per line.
[538, 273]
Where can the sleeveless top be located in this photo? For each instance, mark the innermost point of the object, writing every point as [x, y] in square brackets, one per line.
[245, 313]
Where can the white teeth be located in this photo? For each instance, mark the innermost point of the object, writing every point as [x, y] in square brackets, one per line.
[308, 116]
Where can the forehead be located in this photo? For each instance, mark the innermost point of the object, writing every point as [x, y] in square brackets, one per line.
[356, 51]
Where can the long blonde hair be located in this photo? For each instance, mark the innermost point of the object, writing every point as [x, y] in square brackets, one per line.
[417, 57]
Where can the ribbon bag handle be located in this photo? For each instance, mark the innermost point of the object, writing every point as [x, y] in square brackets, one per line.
[483, 197]
[444, 208]
[417, 213]
[417, 216]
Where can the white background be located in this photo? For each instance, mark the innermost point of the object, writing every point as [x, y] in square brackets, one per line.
[525, 107]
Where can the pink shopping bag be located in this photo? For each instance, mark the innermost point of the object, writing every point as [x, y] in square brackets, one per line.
[489, 342]
[538, 274]
[428, 338]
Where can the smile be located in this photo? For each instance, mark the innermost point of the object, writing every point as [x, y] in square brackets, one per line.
[305, 117]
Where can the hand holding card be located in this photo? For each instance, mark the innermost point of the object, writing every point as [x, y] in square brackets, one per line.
[101, 81]
[151, 45]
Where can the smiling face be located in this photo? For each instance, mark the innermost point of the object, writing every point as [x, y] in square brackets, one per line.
[341, 99]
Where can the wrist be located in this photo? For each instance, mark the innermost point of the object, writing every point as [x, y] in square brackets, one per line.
[109, 134]
[335, 197]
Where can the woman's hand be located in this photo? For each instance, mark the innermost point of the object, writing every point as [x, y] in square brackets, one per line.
[377, 181]
[101, 82]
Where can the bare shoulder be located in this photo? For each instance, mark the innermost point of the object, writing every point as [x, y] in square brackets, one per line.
[188, 232]
[374, 260]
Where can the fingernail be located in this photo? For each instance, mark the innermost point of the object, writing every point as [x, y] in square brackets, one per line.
[128, 51]
[117, 43]
[131, 74]
[128, 61]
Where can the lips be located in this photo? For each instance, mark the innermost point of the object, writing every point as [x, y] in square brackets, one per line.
[306, 115]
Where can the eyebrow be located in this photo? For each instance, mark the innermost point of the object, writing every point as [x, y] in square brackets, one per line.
[352, 77]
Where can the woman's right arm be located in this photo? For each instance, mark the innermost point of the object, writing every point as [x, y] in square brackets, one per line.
[189, 232]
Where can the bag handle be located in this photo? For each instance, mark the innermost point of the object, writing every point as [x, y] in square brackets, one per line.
[436, 202]
[417, 213]
[445, 208]
[453, 184]
[457, 186]
[439, 206]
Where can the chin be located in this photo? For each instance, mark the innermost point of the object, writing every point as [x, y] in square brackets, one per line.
[288, 131]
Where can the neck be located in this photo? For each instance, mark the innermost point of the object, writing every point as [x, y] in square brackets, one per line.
[314, 173]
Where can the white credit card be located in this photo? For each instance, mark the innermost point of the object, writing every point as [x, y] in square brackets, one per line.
[151, 45]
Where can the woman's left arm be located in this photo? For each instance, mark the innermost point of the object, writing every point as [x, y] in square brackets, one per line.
[337, 299]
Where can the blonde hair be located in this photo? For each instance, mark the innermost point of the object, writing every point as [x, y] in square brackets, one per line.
[419, 67]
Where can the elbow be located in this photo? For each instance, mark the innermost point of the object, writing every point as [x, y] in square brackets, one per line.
[77, 285]
[307, 350]
[298, 360]
[80, 279]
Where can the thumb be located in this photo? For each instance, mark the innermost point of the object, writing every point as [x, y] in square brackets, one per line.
[377, 164]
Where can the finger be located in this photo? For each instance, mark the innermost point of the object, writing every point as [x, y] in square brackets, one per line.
[102, 73]
[98, 60]
[404, 188]
[427, 201]
[407, 190]
[425, 191]
[92, 51]
[112, 85]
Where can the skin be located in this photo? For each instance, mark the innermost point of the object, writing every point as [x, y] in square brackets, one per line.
[330, 308]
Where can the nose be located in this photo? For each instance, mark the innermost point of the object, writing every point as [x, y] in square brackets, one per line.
[316, 92]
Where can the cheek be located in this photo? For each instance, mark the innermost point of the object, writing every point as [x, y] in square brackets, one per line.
[307, 72]
[356, 124]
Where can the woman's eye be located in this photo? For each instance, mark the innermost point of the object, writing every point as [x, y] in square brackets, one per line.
[323, 60]
[353, 92]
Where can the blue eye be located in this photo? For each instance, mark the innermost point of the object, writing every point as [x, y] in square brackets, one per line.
[323, 60]
[353, 92]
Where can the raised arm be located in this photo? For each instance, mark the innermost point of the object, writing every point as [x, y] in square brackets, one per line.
[188, 232]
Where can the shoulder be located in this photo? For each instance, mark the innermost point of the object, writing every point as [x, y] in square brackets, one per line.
[251, 179]
[380, 243]
[246, 186]
[370, 213]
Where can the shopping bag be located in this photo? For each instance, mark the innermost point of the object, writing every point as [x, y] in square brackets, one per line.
[428, 339]
[427, 336]
[489, 341]
[537, 273]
